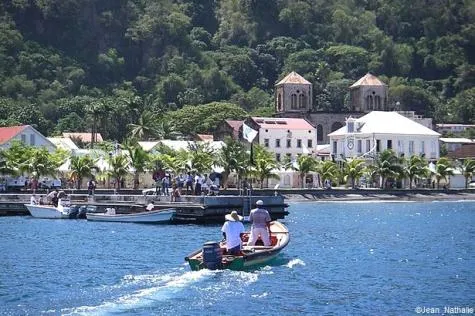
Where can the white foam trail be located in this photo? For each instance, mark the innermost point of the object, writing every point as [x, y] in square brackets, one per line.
[294, 262]
[167, 285]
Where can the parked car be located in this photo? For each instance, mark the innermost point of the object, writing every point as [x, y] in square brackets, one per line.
[471, 184]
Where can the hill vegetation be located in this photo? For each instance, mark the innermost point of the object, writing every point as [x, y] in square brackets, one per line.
[161, 68]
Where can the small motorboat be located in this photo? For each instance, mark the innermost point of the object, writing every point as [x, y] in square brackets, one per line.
[213, 254]
[152, 217]
[63, 210]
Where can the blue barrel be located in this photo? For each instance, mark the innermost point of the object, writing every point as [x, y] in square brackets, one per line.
[212, 255]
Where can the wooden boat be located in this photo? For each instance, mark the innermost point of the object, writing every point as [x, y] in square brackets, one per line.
[213, 254]
[152, 217]
[63, 210]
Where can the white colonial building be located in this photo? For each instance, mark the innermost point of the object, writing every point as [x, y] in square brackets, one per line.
[377, 131]
[285, 137]
[26, 134]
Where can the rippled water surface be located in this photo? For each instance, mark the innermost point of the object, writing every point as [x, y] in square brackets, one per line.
[343, 258]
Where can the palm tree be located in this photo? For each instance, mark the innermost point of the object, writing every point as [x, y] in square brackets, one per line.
[6, 165]
[468, 170]
[119, 168]
[167, 130]
[139, 159]
[264, 165]
[41, 162]
[305, 164]
[415, 167]
[146, 126]
[354, 169]
[81, 167]
[232, 158]
[443, 169]
[388, 165]
[328, 170]
[96, 109]
[200, 157]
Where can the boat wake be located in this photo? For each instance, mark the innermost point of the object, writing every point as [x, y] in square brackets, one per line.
[153, 288]
[295, 262]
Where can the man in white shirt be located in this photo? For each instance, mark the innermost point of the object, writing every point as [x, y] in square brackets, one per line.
[232, 232]
[260, 219]
[150, 206]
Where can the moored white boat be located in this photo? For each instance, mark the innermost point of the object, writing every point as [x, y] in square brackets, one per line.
[48, 211]
[158, 216]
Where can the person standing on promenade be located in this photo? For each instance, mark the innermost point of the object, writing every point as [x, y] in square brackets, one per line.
[189, 183]
[260, 219]
[232, 232]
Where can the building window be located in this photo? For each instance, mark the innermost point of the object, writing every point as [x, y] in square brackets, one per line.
[32, 139]
[293, 101]
[279, 102]
[299, 143]
[335, 144]
[23, 138]
[289, 143]
[400, 147]
[368, 145]
[309, 143]
[423, 151]
[319, 133]
[302, 103]
[432, 149]
[277, 157]
[378, 145]
[389, 144]
[359, 146]
[266, 142]
[411, 147]
[277, 143]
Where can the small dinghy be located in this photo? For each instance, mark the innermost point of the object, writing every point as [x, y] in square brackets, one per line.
[152, 217]
[213, 254]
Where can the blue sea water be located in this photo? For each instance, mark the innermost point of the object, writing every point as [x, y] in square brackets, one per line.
[343, 258]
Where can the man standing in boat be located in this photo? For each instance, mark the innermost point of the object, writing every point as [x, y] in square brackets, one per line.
[260, 219]
[232, 232]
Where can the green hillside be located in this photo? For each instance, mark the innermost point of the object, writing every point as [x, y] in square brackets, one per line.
[147, 67]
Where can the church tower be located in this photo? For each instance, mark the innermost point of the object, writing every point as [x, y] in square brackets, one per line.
[369, 94]
[293, 94]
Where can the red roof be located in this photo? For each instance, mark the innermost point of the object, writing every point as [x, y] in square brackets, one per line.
[235, 125]
[84, 137]
[7, 133]
[205, 137]
[282, 123]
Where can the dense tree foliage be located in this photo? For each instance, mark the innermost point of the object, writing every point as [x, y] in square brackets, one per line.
[90, 65]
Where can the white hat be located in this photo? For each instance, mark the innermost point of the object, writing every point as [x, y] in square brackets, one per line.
[259, 202]
[233, 217]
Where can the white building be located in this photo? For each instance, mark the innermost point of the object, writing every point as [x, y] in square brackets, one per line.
[26, 134]
[285, 136]
[377, 131]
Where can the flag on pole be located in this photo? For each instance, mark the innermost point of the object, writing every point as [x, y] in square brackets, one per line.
[248, 133]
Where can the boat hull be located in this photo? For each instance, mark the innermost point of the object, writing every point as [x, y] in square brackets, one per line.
[159, 216]
[47, 211]
[251, 256]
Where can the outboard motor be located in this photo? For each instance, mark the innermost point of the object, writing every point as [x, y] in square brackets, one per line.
[73, 211]
[212, 255]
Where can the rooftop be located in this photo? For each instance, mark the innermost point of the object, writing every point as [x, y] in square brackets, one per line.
[283, 123]
[386, 123]
[293, 77]
[84, 137]
[368, 80]
[7, 133]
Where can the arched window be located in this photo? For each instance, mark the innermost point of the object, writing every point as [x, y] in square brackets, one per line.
[293, 101]
[319, 133]
[377, 101]
[279, 102]
[302, 101]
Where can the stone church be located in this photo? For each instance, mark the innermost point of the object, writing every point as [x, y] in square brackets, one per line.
[293, 98]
